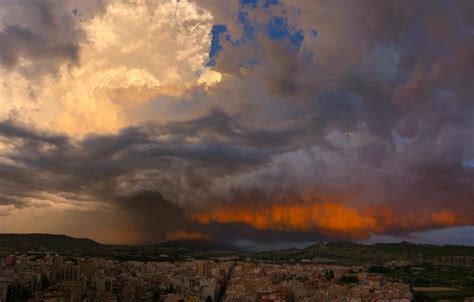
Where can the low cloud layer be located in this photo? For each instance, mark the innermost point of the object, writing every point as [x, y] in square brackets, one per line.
[247, 120]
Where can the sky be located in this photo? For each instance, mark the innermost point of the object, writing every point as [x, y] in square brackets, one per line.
[263, 123]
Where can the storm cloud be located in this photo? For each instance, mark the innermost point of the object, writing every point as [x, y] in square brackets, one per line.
[306, 121]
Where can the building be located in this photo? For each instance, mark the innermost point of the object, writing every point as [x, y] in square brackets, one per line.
[10, 260]
[3, 291]
[203, 268]
[86, 268]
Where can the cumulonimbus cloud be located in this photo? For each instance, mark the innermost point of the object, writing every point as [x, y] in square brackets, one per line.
[304, 125]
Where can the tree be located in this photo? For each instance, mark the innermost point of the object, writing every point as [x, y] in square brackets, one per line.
[329, 274]
[44, 283]
[421, 297]
[169, 289]
[23, 295]
[156, 295]
[377, 269]
[349, 279]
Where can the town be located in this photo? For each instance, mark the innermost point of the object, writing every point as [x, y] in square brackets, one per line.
[56, 278]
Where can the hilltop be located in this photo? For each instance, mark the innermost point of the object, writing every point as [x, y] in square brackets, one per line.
[37, 241]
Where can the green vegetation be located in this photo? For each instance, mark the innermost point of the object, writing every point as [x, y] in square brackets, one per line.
[329, 275]
[460, 278]
[344, 252]
[430, 275]
[417, 265]
[348, 280]
[432, 296]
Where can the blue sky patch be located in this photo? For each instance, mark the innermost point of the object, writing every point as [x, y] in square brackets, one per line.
[468, 163]
[268, 3]
[274, 27]
[297, 38]
[278, 29]
[216, 47]
[255, 3]
[249, 28]
[251, 3]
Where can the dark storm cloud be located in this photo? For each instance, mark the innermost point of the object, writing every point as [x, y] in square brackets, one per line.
[45, 32]
[155, 219]
[10, 129]
[151, 216]
[378, 108]
[396, 62]
[382, 53]
[180, 159]
[234, 231]
[20, 42]
[386, 87]
[192, 153]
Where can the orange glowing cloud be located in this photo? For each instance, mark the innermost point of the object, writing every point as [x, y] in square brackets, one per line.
[183, 234]
[330, 217]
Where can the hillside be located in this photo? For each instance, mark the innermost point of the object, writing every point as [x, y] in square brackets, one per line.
[349, 251]
[26, 242]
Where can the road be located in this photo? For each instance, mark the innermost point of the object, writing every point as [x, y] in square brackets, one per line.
[221, 296]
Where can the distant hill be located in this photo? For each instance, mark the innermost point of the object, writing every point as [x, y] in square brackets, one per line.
[403, 249]
[26, 242]
[197, 245]
[344, 250]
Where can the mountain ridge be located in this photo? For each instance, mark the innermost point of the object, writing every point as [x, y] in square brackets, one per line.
[32, 241]
[28, 241]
